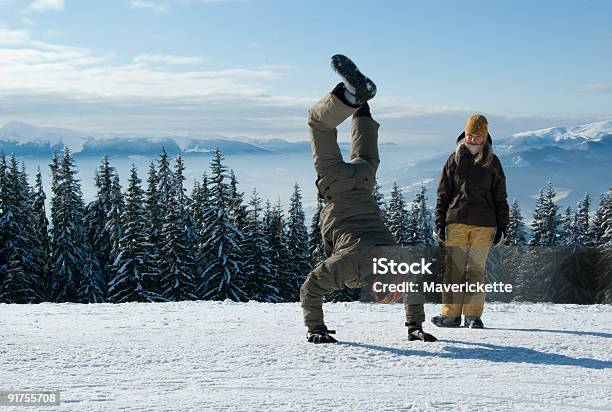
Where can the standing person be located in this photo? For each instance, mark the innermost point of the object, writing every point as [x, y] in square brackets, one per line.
[351, 223]
[471, 215]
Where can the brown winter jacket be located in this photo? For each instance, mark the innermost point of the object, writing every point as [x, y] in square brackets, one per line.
[471, 194]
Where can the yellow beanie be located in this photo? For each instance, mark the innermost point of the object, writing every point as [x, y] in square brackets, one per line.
[477, 124]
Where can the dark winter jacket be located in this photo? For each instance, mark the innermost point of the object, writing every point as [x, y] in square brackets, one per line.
[471, 194]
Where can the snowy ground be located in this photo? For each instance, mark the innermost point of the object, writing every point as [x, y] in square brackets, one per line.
[227, 356]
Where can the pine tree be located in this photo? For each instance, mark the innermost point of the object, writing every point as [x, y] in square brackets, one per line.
[274, 227]
[41, 244]
[19, 282]
[398, 216]
[4, 234]
[176, 259]
[516, 227]
[221, 277]
[421, 219]
[114, 222]
[200, 200]
[545, 224]
[69, 245]
[237, 208]
[602, 224]
[602, 232]
[316, 244]
[153, 223]
[260, 284]
[96, 218]
[567, 235]
[132, 281]
[584, 232]
[297, 245]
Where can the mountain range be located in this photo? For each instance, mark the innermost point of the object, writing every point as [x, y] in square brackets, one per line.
[575, 159]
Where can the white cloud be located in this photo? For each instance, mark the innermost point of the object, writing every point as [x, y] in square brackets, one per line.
[598, 88]
[46, 5]
[168, 59]
[156, 7]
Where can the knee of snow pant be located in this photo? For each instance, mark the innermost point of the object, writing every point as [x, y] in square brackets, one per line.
[364, 140]
[330, 275]
[480, 241]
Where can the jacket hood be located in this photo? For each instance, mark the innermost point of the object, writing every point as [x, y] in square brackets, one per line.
[462, 135]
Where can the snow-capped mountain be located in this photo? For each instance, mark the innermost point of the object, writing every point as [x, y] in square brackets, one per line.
[28, 140]
[576, 138]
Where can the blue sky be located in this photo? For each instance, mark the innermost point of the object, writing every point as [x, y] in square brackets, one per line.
[253, 67]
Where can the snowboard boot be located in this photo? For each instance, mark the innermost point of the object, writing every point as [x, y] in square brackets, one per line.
[415, 332]
[446, 321]
[473, 322]
[321, 335]
[359, 89]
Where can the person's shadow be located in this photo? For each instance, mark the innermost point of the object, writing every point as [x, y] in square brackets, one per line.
[492, 353]
[571, 332]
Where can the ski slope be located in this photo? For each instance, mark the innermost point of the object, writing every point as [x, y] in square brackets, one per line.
[254, 356]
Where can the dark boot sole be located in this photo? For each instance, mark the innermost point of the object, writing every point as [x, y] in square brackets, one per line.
[365, 89]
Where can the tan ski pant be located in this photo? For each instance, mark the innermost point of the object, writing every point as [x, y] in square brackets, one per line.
[466, 250]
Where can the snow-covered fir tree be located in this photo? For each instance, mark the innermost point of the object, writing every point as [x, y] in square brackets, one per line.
[584, 231]
[41, 244]
[200, 201]
[545, 226]
[420, 217]
[237, 208]
[68, 241]
[260, 284]
[221, 276]
[178, 280]
[602, 229]
[19, 282]
[297, 245]
[132, 281]
[516, 234]
[602, 223]
[153, 222]
[114, 221]
[567, 233]
[96, 216]
[316, 244]
[398, 216]
[274, 228]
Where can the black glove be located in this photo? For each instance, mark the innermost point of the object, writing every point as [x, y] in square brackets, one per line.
[500, 236]
[321, 335]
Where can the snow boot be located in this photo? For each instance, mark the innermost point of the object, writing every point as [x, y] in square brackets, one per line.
[415, 332]
[473, 322]
[359, 88]
[446, 321]
[321, 335]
